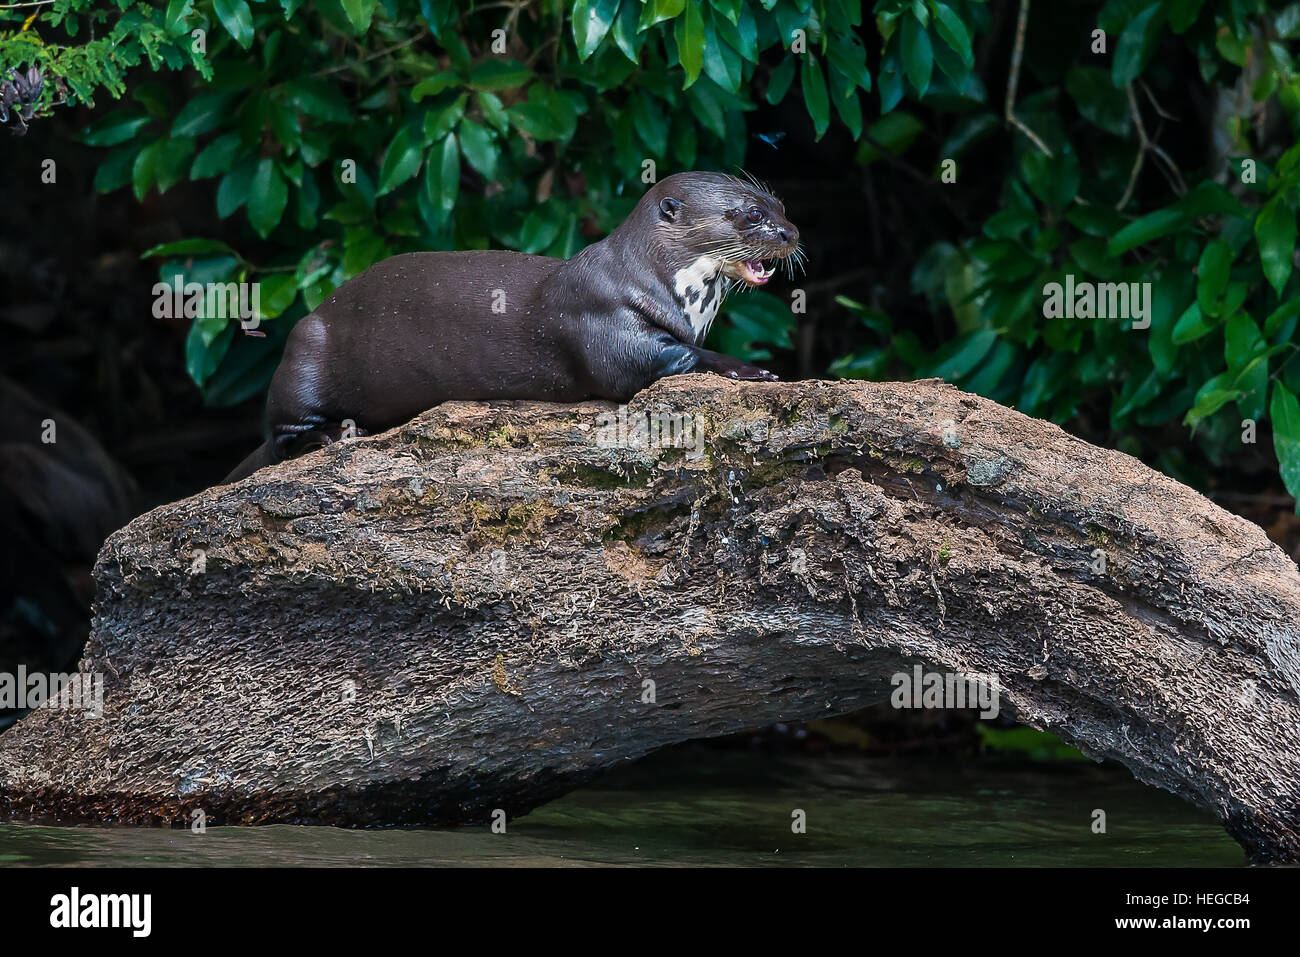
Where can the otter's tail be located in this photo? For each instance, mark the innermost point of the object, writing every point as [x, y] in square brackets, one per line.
[263, 455]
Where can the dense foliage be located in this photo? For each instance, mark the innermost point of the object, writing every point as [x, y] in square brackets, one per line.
[531, 125]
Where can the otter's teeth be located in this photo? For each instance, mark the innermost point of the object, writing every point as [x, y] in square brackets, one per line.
[756, 272]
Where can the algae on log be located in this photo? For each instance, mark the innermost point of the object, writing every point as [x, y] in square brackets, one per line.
[469, 612]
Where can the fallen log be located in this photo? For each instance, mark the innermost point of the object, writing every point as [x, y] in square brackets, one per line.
[484, 608]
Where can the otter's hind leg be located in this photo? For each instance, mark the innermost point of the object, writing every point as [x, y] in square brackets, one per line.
[291, 441]
[261, 457]
[285, 443]
[299, 419]
[313, 432]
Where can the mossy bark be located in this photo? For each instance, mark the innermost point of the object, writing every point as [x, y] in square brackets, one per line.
[469, 612]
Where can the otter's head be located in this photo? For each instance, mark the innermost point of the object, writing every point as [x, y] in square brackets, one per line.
[720, 220]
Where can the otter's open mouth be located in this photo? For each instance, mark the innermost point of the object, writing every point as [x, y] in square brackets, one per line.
[755, 272]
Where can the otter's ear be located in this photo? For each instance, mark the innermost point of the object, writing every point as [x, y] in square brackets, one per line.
[668, 208]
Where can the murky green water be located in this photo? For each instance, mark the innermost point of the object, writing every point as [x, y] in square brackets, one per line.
[697, 805]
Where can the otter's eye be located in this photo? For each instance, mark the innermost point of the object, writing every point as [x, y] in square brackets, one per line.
[754, 215]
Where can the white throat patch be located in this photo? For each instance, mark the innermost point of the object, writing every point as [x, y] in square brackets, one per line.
[700, 286]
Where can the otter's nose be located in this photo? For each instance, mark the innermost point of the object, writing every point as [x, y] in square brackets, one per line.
[788, 235]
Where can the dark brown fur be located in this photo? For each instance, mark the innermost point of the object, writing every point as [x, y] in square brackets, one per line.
[419, 329]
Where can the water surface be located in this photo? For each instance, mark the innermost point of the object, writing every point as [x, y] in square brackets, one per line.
[695, 805]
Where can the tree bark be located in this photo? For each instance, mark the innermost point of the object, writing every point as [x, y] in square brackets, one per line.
[486, 607]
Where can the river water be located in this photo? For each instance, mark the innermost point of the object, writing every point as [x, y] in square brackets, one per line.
[699, 805]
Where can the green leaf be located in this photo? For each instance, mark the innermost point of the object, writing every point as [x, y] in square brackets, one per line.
[953, 31]
[401, 160]
[1287, 23]
[313, 265]
[1191, 326]
[918, 55]
[479, 148]
[433, 85]
[721, 62]
[778, 84]
[741, 35]
[114, 128]
[1212, 276]
[115, 170]
[1168, 298]
[1275, 231]
[539, 231]
[359, 13]
[1135, 46]
[625, 30]
[363, 248]
[1241, 342]
[751, 325]
[688, 31]
[268, 194]
[1234, 45]
[308, 201]
[1143, 393]
[547, 115]
[1151, 226]
[203, 114]
[178, 11]
[202, 357]
[730, 9]
[890, 81]
[967, 131]
[494, 112]
[1100, 221]
[162, 163]
[1208, 198]
[849, 57]
[276, 294]
[707, 108]
[244, 371]
[1053, 179]
[1284, 411]
[317, 98]
[233, 191]
[1252, 385]
[494, 75]
[814, 94]
[651, 123]
[1097, 100]
[847, 106]
[656, 11]
[1276, 319]
[438, 125]
[591, 21]
[442, 176]
[1182, 13]
[237, 18]
[960, 357]
[217, 157]
[1210, 398]
[188, 247]
[894, 131]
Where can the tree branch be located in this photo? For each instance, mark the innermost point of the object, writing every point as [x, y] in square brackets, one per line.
[1013, 81]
